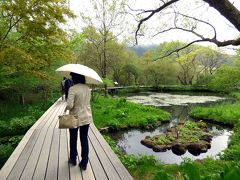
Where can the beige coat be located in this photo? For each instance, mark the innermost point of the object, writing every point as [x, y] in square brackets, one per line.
[78, 103]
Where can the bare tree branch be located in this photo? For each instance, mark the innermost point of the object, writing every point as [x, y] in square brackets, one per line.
[218, 43]
[179, 28]
[152, 13]
[224, 7]
[196, 19]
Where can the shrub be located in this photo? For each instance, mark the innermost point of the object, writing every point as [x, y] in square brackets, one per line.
[21, 125]
[5, 151]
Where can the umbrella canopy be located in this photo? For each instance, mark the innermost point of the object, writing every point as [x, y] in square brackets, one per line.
[91, 76]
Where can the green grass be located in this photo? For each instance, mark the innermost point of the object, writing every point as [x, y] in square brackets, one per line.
[226, 113]
[235, 94]
[117, 113]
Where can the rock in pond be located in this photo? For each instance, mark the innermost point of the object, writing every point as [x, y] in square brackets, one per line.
[186, 136]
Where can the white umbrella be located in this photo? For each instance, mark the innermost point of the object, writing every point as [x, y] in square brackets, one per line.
[91, 76]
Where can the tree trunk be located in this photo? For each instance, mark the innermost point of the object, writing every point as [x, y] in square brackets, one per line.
[227, 9]
[22, 100]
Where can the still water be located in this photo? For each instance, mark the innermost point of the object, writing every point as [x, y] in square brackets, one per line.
[179, 106]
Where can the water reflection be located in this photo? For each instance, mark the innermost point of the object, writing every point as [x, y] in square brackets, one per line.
[179, 106]
[129, 142]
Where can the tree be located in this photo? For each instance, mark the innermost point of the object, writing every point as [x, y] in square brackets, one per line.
[108, 15]
[145, 64]
[188, 64]
[189, 23]
[121, 56]
[87, 49]
[131, 74]
[227, 78]
[31, 39]
[212, 60]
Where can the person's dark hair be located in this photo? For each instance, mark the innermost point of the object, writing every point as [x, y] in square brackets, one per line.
[78, 78]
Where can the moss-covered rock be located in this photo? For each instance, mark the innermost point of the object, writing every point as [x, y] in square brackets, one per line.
[189, 135]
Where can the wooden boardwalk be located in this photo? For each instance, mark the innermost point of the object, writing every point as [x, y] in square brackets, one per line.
[43, 154]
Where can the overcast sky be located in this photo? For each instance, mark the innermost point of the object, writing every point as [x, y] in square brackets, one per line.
[224, 28]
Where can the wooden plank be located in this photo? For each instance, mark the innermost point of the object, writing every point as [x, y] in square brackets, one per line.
[88, 173]
[96, 165]
[6, 169]
[41, 123]
[52, 167]
[22, 160]
[75, 173]
[44, 154]
[63, 167]
[58, 105]
[34, 156]
[39, 173]
[106, 163]
[120, 168]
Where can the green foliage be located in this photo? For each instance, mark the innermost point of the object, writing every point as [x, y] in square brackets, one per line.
[5, 151]
[235, 94]
[5, 129]
[231, 172]
[14, 140]
[142, 167]
[226, 113]
[129, 161]
[188, 133]
[190, 171]
[131, 74]
[107, 82]
[203, 79]
[31, 42]
[15, 120]
[162, 175]
[221, 80]
[21, 125]
[100, 49]
[118, 113]
[232, 153]
[16, 126]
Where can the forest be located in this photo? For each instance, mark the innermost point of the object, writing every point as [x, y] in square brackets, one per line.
[35, 41]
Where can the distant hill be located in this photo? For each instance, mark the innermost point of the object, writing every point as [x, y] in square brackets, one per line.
[140, 50]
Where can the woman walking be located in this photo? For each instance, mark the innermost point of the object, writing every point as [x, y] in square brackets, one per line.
[78, 104]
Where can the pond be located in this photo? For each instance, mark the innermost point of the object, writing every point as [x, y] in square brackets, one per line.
[179, 105]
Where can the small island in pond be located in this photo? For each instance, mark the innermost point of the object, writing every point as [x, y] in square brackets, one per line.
[188, 135]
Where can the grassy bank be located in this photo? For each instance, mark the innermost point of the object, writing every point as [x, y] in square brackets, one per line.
[117, 113]
[227, 113]
[148, 168]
